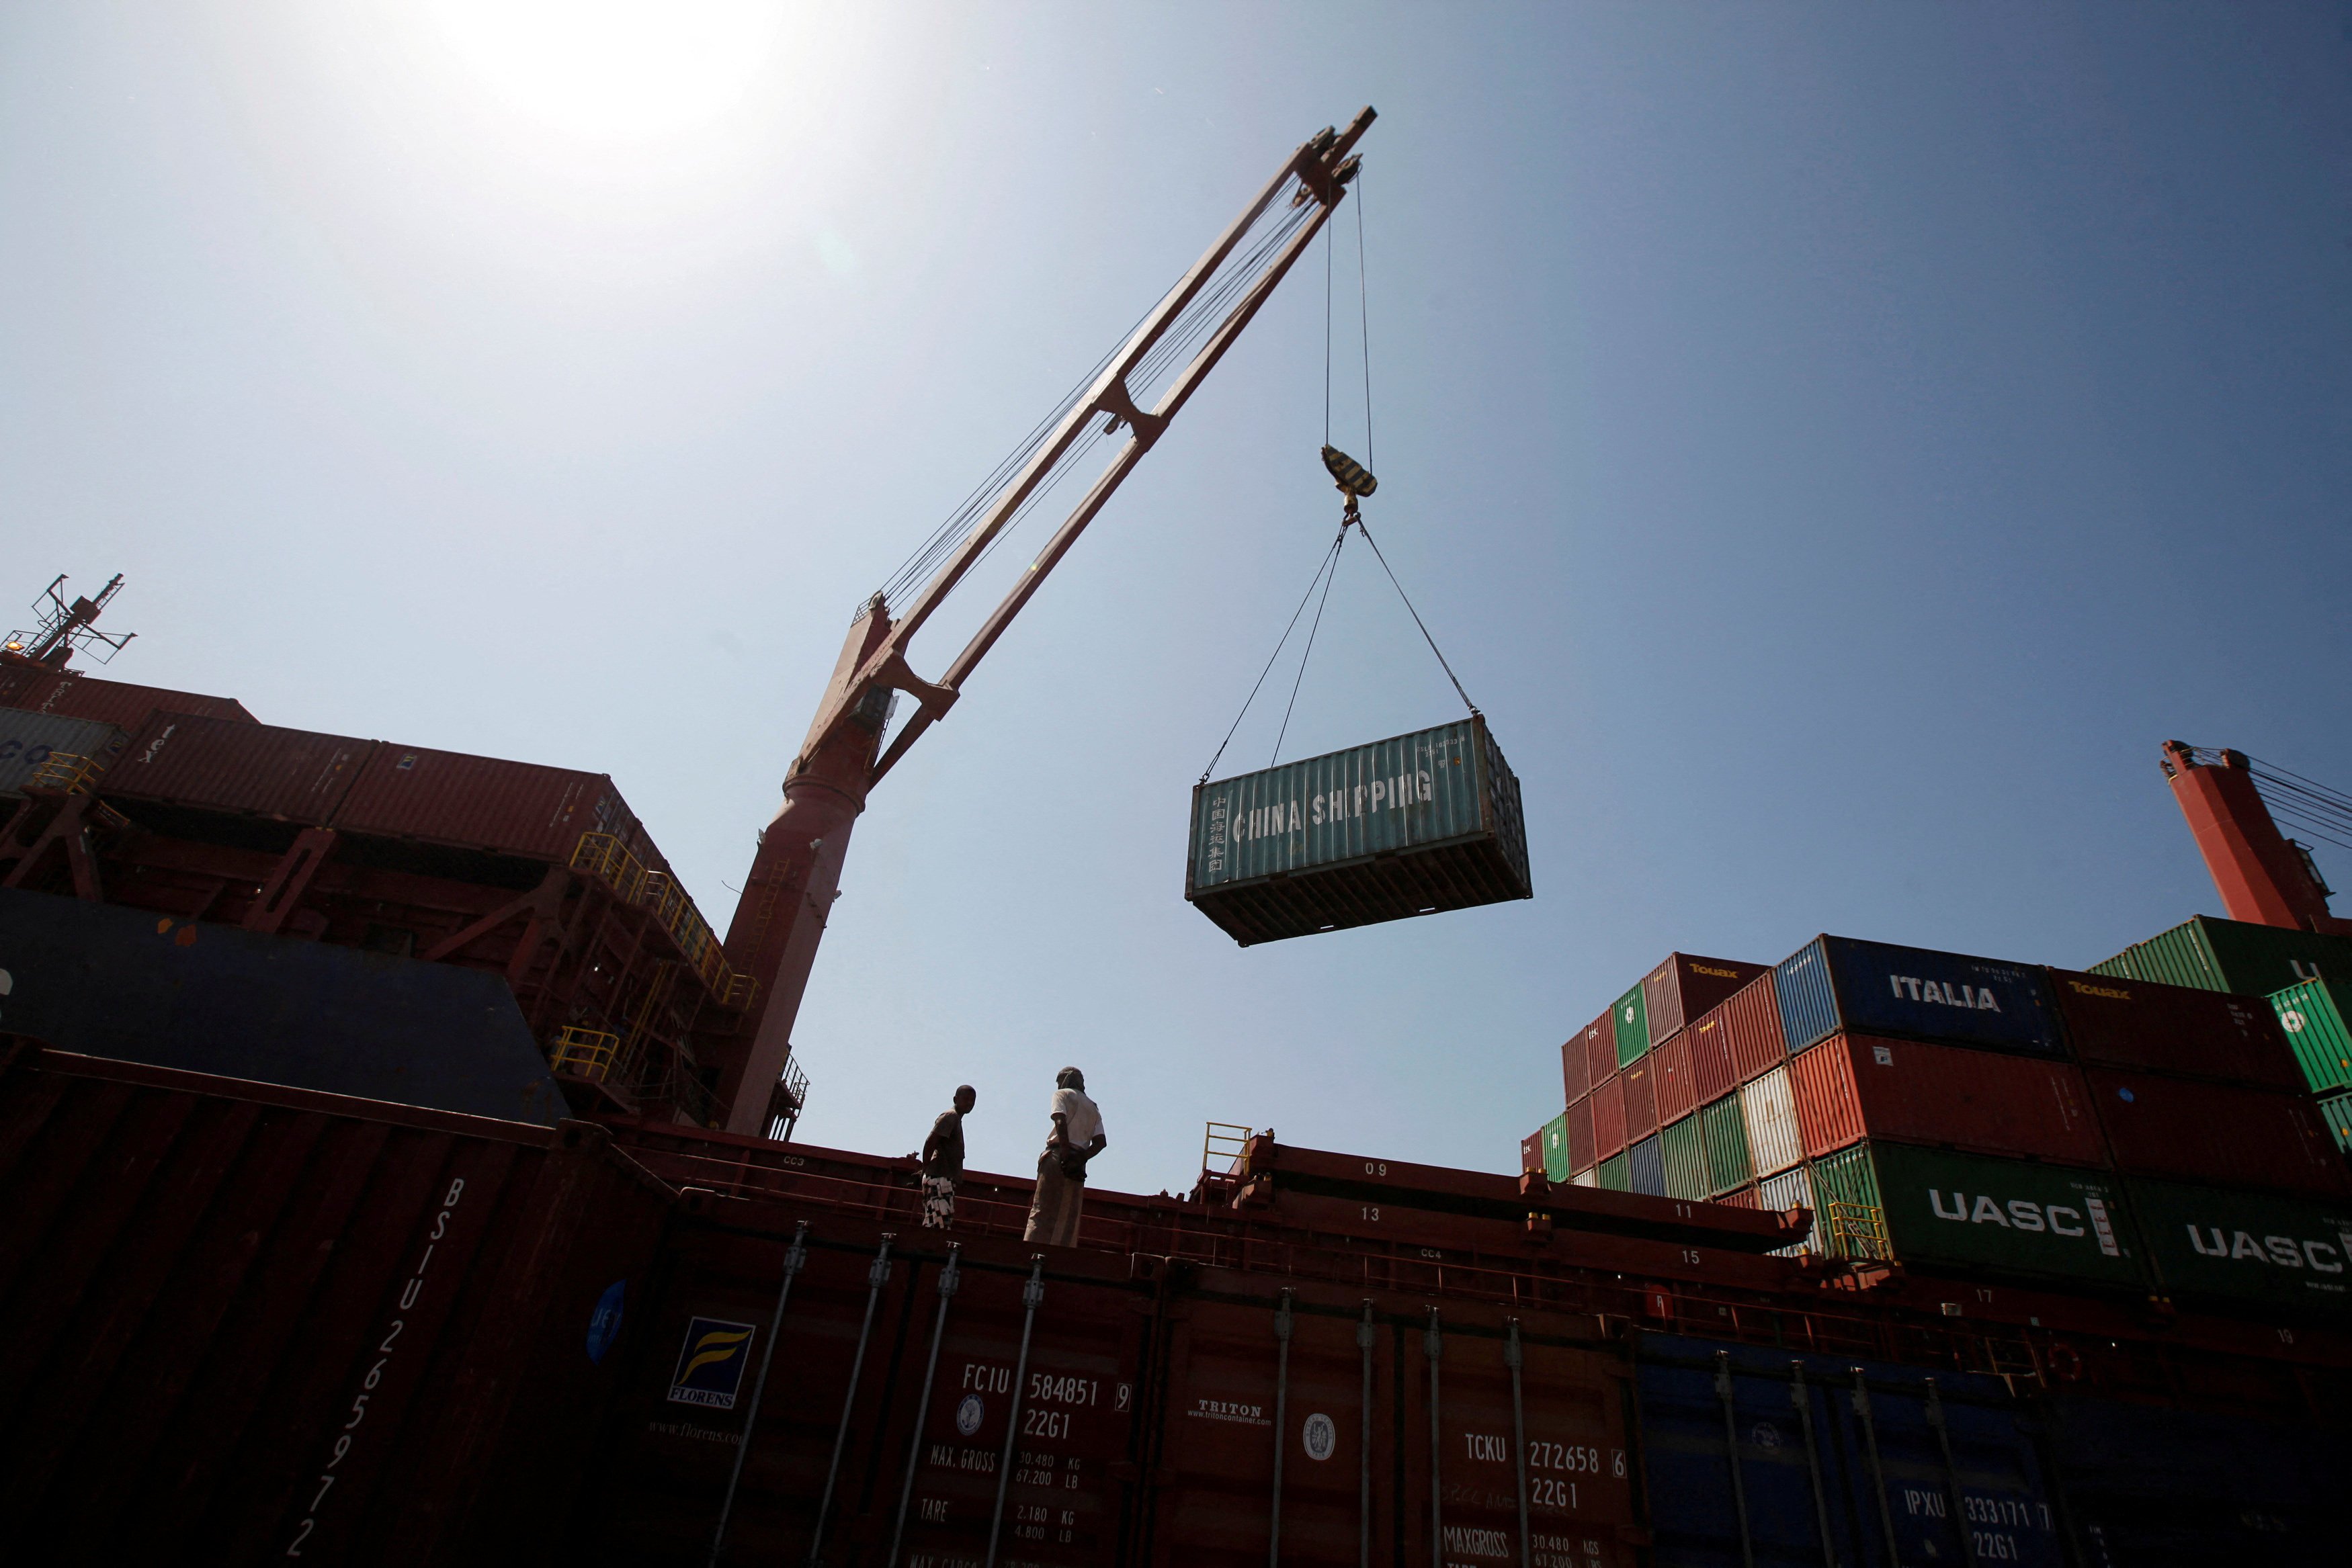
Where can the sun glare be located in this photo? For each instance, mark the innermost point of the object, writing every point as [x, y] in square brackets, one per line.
[612, 69]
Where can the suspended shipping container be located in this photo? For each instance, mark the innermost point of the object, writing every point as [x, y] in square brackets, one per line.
[2188, 1131]
[2232, 1248]
[1837, 983]
[1677, 991]
[1936, 1210]
[2128, 1023]
[2233, 956]
[1410, 825]
[2312, 1018]
[1852, 1087]
[242, 1324]
[27, 740]
[231, 765]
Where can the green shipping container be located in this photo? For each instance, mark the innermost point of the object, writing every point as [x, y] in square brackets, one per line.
[1555, 1148]
[1406, 826]
[1724, 1132]
[2335, 1109]
[2233, 956]
[1617, 1172]
[1685, 1160]
[2249, 1248]
[1633, 1018]
[1936, 1208]
[2313, 1015]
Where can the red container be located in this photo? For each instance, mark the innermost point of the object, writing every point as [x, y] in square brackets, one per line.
[1531, 1153]
[2158, 1126]
[1739, 1198]
[1677, 1088]
[480, 802]
[1600, 1039]
[1218, 1445]
[1712, 1073]
[1575, 1069]
[2136, 1024]
[1751, 1019]
[1581, 1139]
[118, 702]
[1640, 1082]
[228, 765]
[1608, 1102]
[1684, 987]
[213, 1293]
[1852, 1087]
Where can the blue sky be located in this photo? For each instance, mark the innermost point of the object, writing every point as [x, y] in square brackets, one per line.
[1836, 445]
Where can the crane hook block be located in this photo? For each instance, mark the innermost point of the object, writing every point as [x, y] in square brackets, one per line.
[1353, 477]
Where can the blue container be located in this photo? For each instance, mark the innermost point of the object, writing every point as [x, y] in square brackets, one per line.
[1819, 1465]
[1646, 1162]
[1836, 983]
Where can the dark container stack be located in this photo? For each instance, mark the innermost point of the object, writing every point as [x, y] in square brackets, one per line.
[1411, 825]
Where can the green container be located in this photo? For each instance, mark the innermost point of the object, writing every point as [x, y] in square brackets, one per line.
[1555, 1149]
[1685, 1160]
[2250, 1249]
[2313, 1015]
[2335, 1109]
[1406, 826]
[1617, 1172]
[1724, 1132]
[1632, 1020]
[2233, 956]
[1940, 1210]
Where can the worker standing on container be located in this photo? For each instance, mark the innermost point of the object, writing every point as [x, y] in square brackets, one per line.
[943, 1162]
[1077, 1138]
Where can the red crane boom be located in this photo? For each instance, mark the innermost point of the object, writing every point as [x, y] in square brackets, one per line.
[2262, 876]
[796, 873]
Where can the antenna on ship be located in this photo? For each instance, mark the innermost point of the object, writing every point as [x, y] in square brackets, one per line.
[65, 628]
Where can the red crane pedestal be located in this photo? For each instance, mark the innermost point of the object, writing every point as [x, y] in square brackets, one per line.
[2262, 878]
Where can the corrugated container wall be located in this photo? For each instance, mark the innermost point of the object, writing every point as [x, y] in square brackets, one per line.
[1791, 1189]
[225, 765]
[2233, 956]
[1575, 1070]
[1632, 1018]
[1552, 1149]
[1678, 990]
[1852, 1087]
[480, 802]
[2246, 1248]
[1670, 1064]
[29, 739]
[1614, 1173]
[1723, 1129]
[1710, 1044]
[1770, 1114]
[1601, 1047]
[1581, 1155]
[1968, 1212]
[1641, 1084]
[1646, 1167]
[1607, 1102]
[1750, 1022]
[2312, 1018]
[1835, 983]
[220, 1293]
[1406, 826]
[2336, 1110]
[1684, 1157]
[118, 702]
[1531, 1149]
[2123, 1023]
[2188, 1131]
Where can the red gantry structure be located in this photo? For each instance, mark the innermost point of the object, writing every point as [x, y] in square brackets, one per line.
[2264, 877]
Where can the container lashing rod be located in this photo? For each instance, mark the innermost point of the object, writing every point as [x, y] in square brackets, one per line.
[797, 868]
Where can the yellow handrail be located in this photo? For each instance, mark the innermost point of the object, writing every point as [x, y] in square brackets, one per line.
[583, 1052]
[1859, 1230]
[604, 856]
[1228, 1139]
[65, 773]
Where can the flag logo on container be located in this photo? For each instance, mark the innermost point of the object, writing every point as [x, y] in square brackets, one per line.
[604, 1322]
[710, 1363]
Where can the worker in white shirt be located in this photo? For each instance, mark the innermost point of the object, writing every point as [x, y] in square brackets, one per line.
[1077, 1138]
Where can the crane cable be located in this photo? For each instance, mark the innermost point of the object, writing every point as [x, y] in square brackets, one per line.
[1327, 571]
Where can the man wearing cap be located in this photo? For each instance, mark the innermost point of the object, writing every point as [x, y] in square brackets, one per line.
[1077, 1138]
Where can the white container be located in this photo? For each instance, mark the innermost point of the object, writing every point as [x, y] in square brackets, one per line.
[28, 739]
[1589, 1176]
[1791, 1189]
[1771, 1113]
